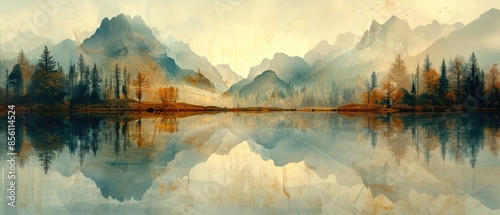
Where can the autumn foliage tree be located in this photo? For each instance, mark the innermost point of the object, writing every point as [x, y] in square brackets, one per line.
[372, 94]
[22, 60]
[431, 81]
[140, 84]
[392, 93]
[399, 73]
[457, 70]
[492, 86]
[168, 94]
[376, 96]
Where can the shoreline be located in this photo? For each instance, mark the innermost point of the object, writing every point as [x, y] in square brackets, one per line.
[24, 110]
[184, 107]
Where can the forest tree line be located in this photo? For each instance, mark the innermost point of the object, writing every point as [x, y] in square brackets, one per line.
[458, 83]
[84, 84]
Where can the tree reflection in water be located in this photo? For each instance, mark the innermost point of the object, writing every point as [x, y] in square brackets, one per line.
[458, 136]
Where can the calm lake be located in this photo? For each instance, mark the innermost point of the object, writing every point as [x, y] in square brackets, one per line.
[256, 163]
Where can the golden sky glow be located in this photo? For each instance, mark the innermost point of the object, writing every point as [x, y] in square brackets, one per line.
[236, 32]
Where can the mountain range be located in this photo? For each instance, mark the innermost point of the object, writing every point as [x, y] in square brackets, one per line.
[223, 77]
[381, 43]
[325, 73]
[329, 72]
[323, 52]
[480, 36]
[28, 41]
[290, 69]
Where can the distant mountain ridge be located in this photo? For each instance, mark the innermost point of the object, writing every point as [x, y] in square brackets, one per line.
[333, 79]
[28, 41]
[323, 52]
[228, 75]
[187, 59]
[289, 69]
[379, 46]
[265, 87]
[481, 36]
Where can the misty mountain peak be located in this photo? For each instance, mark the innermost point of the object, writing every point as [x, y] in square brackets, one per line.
[491, 15]
[120, 18]
[280, 56]
[458, 25]
[323, 43]
[122, 23]
[122, 35]
[114, 25]
[396, 22]
[269, 73]
[177, 45]
[375, 26]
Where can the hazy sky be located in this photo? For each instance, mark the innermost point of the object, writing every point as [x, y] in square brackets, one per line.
[236, 32]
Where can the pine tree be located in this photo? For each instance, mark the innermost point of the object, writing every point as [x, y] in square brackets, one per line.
[111, 88]
[96, 85]
[473, 77]
[125, 82]
[374, 80]
[16, 80]
[86, 84]
[443, 81]
[81, 93]
[105, 91]
[46, 83]
[413, 88]
[72, 80]
[46, 61]
[80, 66]
[417, 78]
[116, 76]
[427, 64]
[370, 85]
[6, 86]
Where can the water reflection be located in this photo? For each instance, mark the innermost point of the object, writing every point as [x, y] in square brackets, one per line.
[457, 136]
[127, 155]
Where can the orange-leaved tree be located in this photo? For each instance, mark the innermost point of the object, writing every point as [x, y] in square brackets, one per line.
[168, 94]
[431, 81]
[399, 73]
[140, 84]
[392, 93]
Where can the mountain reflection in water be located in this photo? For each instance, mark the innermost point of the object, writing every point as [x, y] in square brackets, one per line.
[283, 162]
